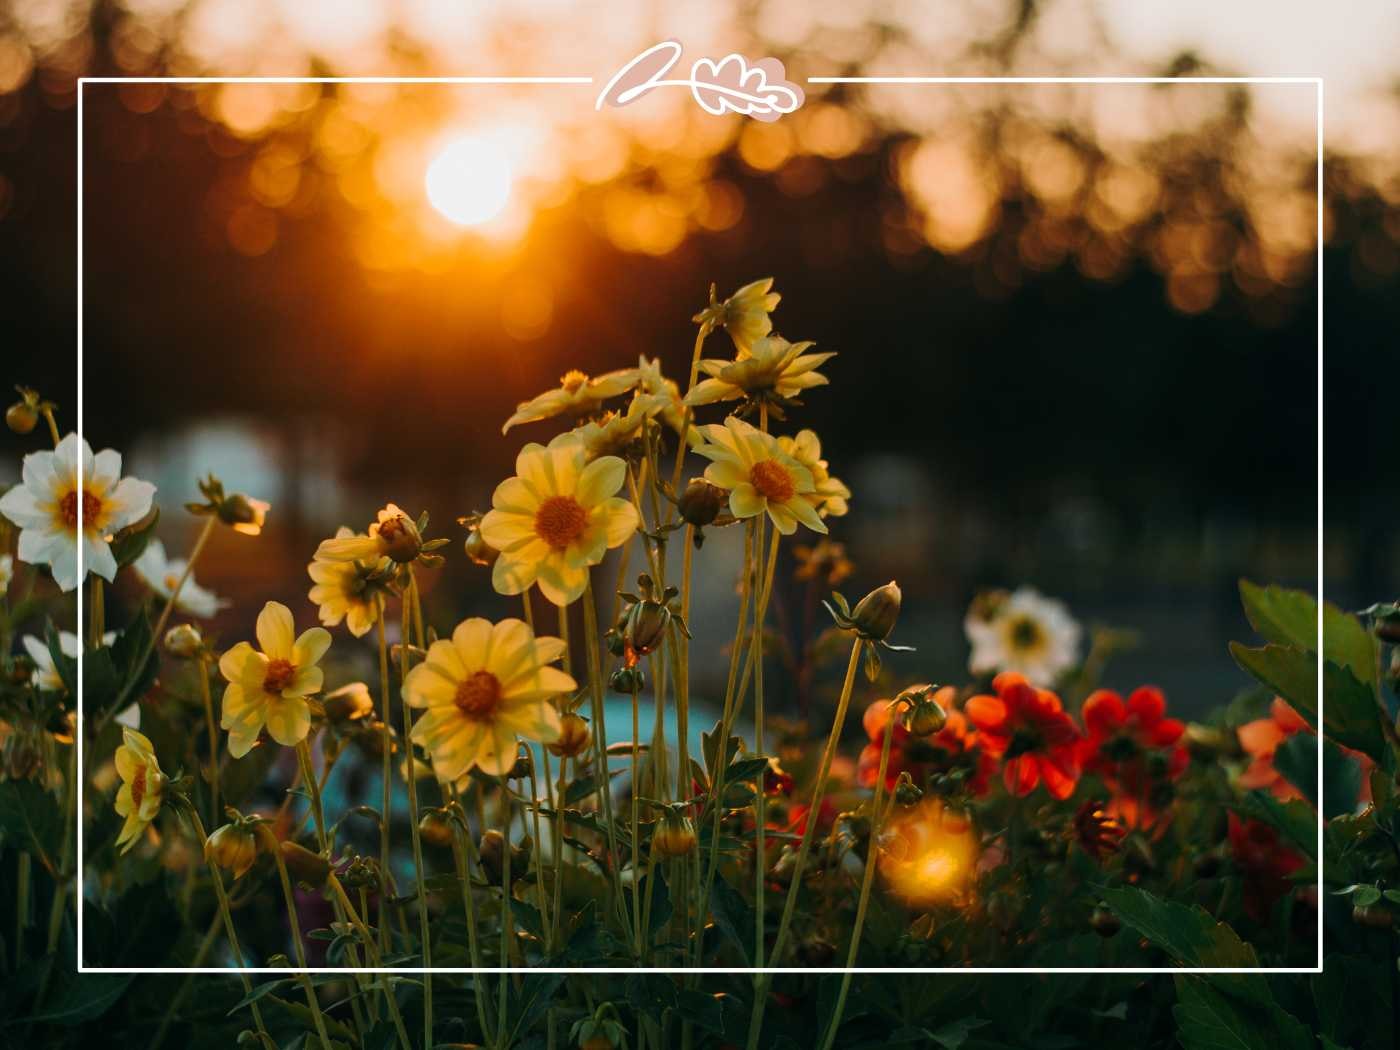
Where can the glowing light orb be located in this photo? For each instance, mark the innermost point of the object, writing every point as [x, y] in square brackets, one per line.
[469, 181]
[929, 854]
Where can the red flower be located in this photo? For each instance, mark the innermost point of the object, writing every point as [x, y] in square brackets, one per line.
[1262, 737]
[956, 744]
[1028, 730]
[1264, 864]
[1134, 747]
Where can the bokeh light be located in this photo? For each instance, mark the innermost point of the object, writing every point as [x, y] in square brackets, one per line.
[469, 180]
[928, 855]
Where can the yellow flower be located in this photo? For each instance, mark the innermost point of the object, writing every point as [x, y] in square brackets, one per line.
[392, 535]
[484, 689]
[759, 475]
[557, 517]
[143, 786]
[744, 315]
[666, 398]
[614, 433]
[576, 393]
[269, 687]
[348, 590]
[829, 495]
[771, 369]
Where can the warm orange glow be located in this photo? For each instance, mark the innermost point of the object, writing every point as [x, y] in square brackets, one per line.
[929, 855]
[469, 181]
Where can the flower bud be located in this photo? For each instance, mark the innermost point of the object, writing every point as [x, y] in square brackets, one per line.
[349, 703]
[435, 828]
[701, 502]
[1376, 916]
[574, 737]
[875, 614]
[233, 847]
[22, 417]
[399, 538]
[1104, 922]
[524, 766]
[184, 640]
[478, 550]
[305, 866]
[627, 680]
[644, 629]
[927, 717]
[492, 853]
[906, 792]
[673, 836]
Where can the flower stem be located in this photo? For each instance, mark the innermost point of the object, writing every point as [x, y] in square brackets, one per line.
[373, 952]
[600, 737]
[386, 773]
[313, 1003]
[460, 837]
[507, 919]
[308, 774]
[96, 618]
[764, 980]
[213, 729]
[53, 425]
[232, 933]
[761, 800]
[867, 879]
[635, 791]
[411, 611]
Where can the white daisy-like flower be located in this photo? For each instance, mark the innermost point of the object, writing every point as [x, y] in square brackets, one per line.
[47, 503]
[162, 575]
[1023, 631]
[46, 676]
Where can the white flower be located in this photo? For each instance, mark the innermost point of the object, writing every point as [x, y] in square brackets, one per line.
[162, 576]
[1025, 632]
[45, 674]
[46, 508]
[7, 572]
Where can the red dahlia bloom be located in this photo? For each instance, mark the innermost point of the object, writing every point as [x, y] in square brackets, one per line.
[1028, 730]
[1265, 865]
[955, 745]
[1134, 747]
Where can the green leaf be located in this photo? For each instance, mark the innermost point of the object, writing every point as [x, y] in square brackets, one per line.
[1288, 671]
[29, 818]
[528, 917]
[702, 1009]
[732, 916]
[746, 769]
[1282, 616]
[1190, 935]
[953, 1034]
[1295, 820]
[1296, 759]
[130, 543]
[65, 665]
[1207, 1019]
[1347, 643]
[86, 998]
[532, 1001]
[1353, 718]
[127, 651]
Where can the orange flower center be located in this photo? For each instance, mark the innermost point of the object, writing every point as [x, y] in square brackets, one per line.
[392, 528]
[478, 695]
[138, 787]
[560, 520]
[772, 481]
[573, 380]
[68, 508]
[279, 675]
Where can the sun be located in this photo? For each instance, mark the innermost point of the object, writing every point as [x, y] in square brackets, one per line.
[469, 180]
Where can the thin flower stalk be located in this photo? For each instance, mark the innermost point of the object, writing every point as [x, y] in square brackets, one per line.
[411, 610]
[461, 836]
[353, 916]
[760, 801]
[867, 880]
[763, 980]
[212, 727]
[386, 746]
[299, 950]
[600, 738]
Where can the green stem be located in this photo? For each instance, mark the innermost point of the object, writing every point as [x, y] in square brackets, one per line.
[373, 952]
[308, 776]
[761, 799]
[600, 738]
[411, 609]
[176, 1001]
[764, 980]
[213, 729]
[867, 880]
[636, 789]
[459, 850]
[386, 773]
[507, 919]
[272, 846]
[96, 616]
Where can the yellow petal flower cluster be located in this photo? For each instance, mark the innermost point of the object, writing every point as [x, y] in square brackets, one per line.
[829, 495]
[348, 591]
[557, 517]
[759, 475]
[268, 686]
[744, 315]
[393, 534]
[486, 688]
[143, 786]
[771, 368]
[577, 393]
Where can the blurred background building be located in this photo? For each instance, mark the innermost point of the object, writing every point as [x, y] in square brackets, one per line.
[1077, 325]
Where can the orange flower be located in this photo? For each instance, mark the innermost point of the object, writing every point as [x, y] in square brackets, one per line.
[1134, 748]
[1261, 739]
[952, 746]
[1028, 730]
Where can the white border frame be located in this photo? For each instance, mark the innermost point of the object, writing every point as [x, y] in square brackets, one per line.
[1316, 81]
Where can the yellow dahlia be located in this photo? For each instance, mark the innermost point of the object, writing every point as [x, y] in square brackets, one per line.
[666, 398]
[348, 590]
[829, 495]
[269, 687]
[393, 534]
[771, 369]
[744, 315]
[759, 475]
[143, 786]
[487, 687]
[577, 393]
[557, 517]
